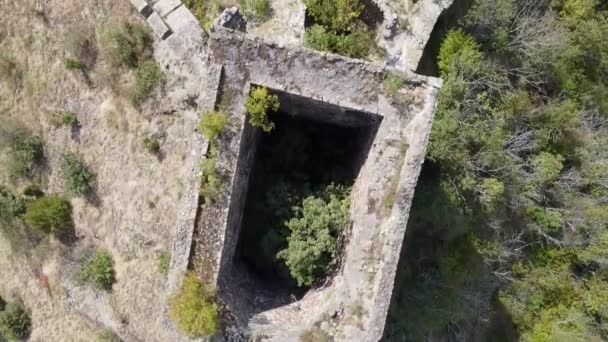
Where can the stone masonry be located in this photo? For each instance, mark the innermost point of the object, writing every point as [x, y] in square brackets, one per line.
[353, 303]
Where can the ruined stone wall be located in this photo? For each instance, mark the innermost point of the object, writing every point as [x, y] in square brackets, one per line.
[353, 304]
[370, 257]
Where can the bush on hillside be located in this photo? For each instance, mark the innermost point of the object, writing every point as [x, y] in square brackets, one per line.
[65, 118]
[193, 309]
[77, 178]
[147, 78]
[15, 323]
[151, 144]
[98, 271]
[49, 215]
[26, 150]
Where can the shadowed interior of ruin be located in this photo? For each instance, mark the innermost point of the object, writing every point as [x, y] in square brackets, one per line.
[314, 145]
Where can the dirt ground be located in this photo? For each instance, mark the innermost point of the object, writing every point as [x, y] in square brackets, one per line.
[136, 194]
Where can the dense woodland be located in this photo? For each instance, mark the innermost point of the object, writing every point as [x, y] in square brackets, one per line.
[508, 236]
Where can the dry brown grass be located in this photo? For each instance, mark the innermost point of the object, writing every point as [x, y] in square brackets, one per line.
[38, 35]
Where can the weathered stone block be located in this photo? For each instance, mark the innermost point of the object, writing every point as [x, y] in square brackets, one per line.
[158, 26]
[164, 7]
[142, 7]
[183, 22]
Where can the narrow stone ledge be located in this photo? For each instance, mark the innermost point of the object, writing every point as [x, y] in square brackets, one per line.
[158, 26]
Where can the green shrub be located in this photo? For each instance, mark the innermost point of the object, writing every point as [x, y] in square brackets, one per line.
[460, 49]
[164, 259]
[206, 11]
[212, 124]
[151, 144]
[335, 15]
[49, 215]
[73, 64]
[338, 28]
[258, 104]
[147, 79]
[211, 184]
[258, 9]
[10, 206]
[355, 44]
[392, 84]
[77, 178]
[65, 118]
[98, 271]
[25, 151]
[126, 44]
[15, 323]
[193, 310]
[315, 229]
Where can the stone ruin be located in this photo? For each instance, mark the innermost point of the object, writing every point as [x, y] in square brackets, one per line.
[388, 151]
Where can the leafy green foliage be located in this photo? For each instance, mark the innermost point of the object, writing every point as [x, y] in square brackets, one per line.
[193, 309]
[50, 215]
[77, 178]
[212, 124]
[98, 271]
[338, 27]
[258, 105]
[26, 150]
[148, 78]
[126, 44]
[73, 64]
[15, 323]
[151, 144]
[315, 229]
